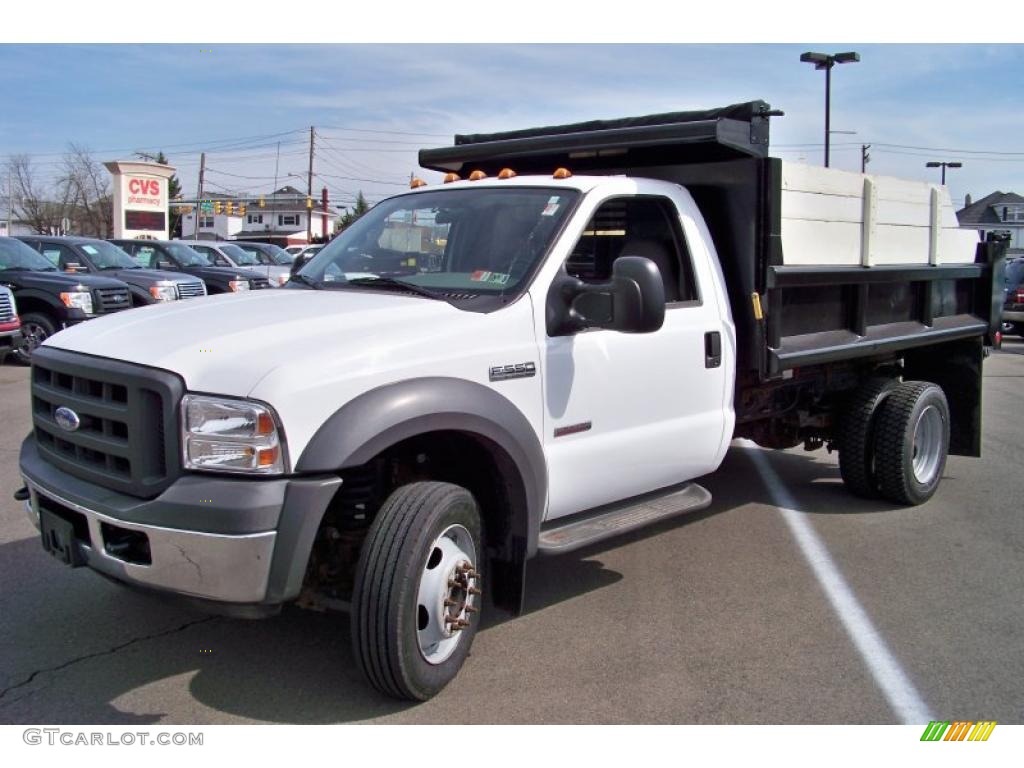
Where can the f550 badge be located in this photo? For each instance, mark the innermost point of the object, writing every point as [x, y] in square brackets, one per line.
[516, 371]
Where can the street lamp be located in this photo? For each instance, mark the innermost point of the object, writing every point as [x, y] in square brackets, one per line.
[943, 166]
[826, 61]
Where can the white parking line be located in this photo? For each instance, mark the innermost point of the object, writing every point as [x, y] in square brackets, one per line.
[897, 688]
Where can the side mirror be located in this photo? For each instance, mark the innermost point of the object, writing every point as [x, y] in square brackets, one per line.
[633, 301]
[164, 264]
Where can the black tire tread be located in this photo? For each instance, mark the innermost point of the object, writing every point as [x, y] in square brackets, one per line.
[378, 579]
[854, 436]
[891, 434]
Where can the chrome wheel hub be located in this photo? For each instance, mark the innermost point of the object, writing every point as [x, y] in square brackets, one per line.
[449, 593]
[927, 445]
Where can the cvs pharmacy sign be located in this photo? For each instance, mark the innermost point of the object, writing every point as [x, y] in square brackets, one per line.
[144, 192]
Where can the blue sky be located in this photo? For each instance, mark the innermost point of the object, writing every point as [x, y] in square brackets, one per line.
[374, 105]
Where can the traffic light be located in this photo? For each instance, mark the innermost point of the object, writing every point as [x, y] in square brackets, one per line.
[263, 203]
[309, 202]
[230, 207]
[241, 209]
[216, 207]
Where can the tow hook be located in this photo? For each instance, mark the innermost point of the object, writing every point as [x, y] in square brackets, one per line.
[21, 494]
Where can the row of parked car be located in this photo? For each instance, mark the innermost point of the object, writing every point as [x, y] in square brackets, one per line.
[49, 283]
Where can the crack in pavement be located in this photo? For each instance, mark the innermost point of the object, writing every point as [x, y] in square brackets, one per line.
[106, 652]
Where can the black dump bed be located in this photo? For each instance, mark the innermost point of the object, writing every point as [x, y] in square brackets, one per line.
[801, 315]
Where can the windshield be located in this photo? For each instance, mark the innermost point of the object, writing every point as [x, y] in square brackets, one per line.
[106, 255]
[186, 256]
[242, 256]
[14, 254]
[461, 242]
[279, 255]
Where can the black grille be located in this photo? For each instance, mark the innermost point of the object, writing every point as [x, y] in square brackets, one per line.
[258, 283]
[112, 299]
[127, 435]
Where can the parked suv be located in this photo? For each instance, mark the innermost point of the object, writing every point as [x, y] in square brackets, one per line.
[90, 255]
[1013, 305]
[237, 255]
[178, 257]
[275, 259]
[10, 325]
[49, 299]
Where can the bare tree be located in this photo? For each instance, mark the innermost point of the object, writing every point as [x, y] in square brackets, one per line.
[34, 204]
[88, 184]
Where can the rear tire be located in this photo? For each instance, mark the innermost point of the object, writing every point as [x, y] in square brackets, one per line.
[855, 436]
[416, 601]
[912, 442]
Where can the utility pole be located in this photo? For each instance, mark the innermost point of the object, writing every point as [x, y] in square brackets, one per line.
[10, 201]
[865, 158]
[309, 189]
[199, 196]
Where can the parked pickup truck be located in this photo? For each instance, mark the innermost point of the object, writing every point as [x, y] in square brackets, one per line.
[10, 323]
[540, 353]
[50, 300]
[87, 255]
[176, 256]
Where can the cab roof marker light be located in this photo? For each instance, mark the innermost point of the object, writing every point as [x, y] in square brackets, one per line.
[477, 175]
[506, 173]
[450, 177]
[562, 173]
[416, 183]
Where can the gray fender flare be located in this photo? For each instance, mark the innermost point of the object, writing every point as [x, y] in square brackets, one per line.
[383, 417]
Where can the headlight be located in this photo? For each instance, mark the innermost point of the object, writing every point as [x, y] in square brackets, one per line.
[165, 290]
[239, 285]
[78, 300]
[225, 435]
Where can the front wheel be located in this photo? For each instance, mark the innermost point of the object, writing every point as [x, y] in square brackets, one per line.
[912, 442]
[417, 596]
[35, 328]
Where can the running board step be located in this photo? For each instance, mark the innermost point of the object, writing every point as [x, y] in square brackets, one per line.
[622, 518]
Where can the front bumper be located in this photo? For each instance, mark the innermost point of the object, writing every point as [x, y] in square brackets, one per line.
[233, 541]
[9, 340]
[1013, 316]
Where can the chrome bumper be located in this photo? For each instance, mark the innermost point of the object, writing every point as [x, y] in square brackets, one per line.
[233, 569]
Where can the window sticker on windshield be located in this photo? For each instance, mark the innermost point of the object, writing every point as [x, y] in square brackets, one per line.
[494, 278]
[552, 207]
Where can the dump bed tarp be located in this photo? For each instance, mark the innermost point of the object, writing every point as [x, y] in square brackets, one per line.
[744, 112]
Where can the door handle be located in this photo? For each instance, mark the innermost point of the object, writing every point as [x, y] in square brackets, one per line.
[712, 349]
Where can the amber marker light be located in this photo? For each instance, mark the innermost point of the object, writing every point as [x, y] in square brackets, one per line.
[450, 177]
[477, 175]
[562, 173]
[507, 173]
[417, 183]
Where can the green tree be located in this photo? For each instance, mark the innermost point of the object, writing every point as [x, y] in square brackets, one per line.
[173, 192]
[354, 213]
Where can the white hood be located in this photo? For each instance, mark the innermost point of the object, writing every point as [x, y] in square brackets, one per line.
[227, 343]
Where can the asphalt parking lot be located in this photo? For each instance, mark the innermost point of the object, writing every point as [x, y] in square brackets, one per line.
[715, 618]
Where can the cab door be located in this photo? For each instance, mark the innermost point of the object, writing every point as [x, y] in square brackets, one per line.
[625, 413]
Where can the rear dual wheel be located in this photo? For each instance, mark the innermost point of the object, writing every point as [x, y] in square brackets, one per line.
[893, 440]
[417, 597]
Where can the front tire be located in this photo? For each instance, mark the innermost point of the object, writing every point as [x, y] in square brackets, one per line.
[416, 601]
[36, 328]
[912, 442]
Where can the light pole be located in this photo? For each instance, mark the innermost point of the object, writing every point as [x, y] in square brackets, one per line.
[943, 166]
[827, 61]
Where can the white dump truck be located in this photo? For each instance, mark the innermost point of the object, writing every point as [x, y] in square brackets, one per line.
[541, 352]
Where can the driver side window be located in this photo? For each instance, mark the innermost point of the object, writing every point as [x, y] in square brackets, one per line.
[635, 226]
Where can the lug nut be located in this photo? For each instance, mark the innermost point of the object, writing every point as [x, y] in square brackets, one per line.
[471, 609]
[473, 591]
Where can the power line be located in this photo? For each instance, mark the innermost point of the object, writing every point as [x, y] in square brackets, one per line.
[381, 130]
